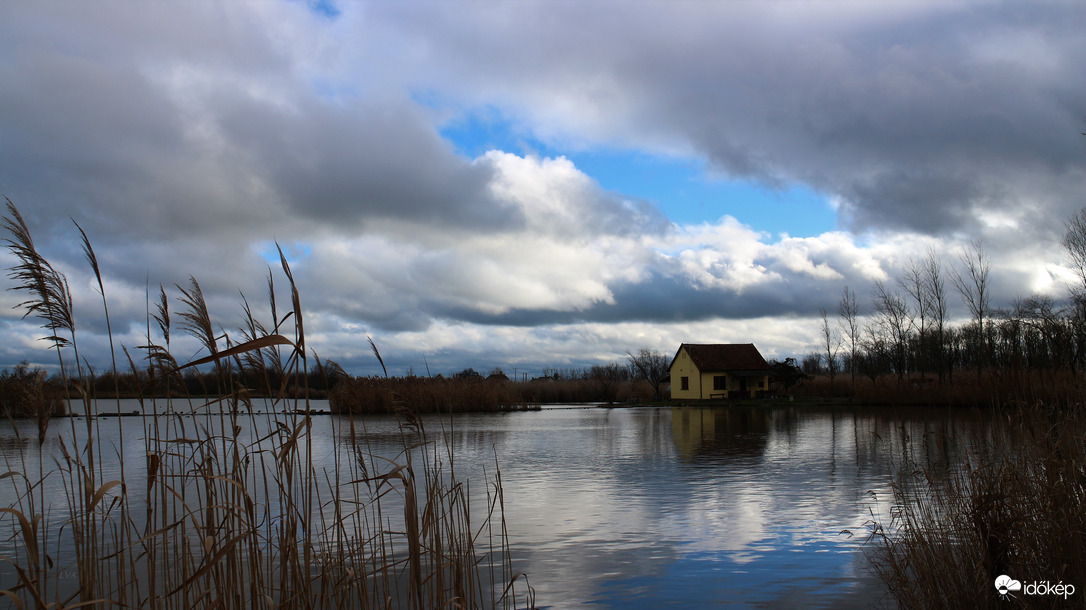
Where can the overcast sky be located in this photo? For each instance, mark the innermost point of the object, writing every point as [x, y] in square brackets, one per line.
[535, 184]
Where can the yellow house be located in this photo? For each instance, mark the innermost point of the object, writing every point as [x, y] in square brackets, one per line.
[721, 370]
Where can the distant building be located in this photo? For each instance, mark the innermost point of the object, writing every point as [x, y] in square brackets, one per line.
[702, 371]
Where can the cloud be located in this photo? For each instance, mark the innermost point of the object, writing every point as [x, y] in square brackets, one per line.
[187, 138]
[913, 116]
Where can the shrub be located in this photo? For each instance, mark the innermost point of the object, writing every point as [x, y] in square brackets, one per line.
[1017, 508]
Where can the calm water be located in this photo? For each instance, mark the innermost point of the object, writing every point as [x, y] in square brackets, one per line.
[684, 507]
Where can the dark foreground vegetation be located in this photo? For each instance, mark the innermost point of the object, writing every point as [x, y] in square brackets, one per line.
[1017, 507]
[213, 514]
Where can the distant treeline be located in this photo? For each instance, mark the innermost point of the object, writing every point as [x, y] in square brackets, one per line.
[24, 391]
[642, 378]
[477, 393]
[28, 392]
[256, 381]
[1031, 350]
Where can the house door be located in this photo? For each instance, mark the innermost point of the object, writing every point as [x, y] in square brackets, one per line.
[743, 386]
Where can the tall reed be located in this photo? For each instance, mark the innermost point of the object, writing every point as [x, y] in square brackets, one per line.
[227, 507]
[987, 389]
[1017, 507]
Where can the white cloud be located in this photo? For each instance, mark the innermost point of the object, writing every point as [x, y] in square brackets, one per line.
[186, 136]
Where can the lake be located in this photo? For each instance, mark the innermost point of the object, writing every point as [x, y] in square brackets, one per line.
[742, 506]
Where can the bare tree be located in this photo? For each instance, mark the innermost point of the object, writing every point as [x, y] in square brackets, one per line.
[912, 282]
[974, 288]
[650, 365]
[1074, 244]
[812, 364]
[936, 295]
[875, 358]
[831, 342]
[1053, 345]
[608, 377]
[849, 312]
[897, 319]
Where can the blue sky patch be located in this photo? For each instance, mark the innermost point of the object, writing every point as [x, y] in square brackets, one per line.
[680, 187]
[325, 8]
[293, 252]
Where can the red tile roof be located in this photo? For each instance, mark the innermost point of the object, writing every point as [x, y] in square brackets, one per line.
[724, 357]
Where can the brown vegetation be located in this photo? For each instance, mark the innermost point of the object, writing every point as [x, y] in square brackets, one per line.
[27, 392]
[1017, 508]
[1033, 350]
[230, 509]
[572, 391]
[421, 394]
[989, 389]
[460, 395]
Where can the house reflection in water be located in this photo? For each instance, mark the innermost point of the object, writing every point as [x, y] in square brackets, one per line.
[715, 435]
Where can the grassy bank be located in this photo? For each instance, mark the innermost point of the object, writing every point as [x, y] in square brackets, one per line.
[1017, 507]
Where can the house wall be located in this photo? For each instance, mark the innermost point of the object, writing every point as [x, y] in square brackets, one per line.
[701, 384]
[707, 389]
[683, 366]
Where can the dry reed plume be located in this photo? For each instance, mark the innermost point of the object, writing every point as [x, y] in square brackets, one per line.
[227, 507]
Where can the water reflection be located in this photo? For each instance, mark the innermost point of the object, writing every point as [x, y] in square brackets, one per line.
[16, 445]
[713, 436]
[640, 507]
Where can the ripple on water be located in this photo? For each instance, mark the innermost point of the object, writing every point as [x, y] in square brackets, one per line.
[641, 508]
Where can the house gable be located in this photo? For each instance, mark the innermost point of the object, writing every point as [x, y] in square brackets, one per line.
[719, 370]
[725, 357]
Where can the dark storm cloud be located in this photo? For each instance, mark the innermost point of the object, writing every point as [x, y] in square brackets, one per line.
[347, 164]
[165, 137]
[668, 297]
[915, 200]
[660, 299]
[918, 116]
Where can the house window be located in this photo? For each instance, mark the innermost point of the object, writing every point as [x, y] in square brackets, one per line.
[720, 382]
[684, 382]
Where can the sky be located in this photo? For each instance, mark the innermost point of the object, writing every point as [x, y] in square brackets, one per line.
[533, 185]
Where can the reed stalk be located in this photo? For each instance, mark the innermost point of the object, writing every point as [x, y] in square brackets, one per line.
[1017, 507]
[233, 510]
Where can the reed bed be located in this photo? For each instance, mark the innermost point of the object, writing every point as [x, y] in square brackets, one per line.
[966, 389]
[27, 392]
[225, 507]
[371, 395]
[1017, 507]
[584, 390]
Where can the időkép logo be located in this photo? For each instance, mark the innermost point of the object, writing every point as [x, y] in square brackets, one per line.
[1007, 587]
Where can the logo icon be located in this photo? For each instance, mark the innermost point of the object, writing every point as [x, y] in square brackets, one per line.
[1005, 585]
